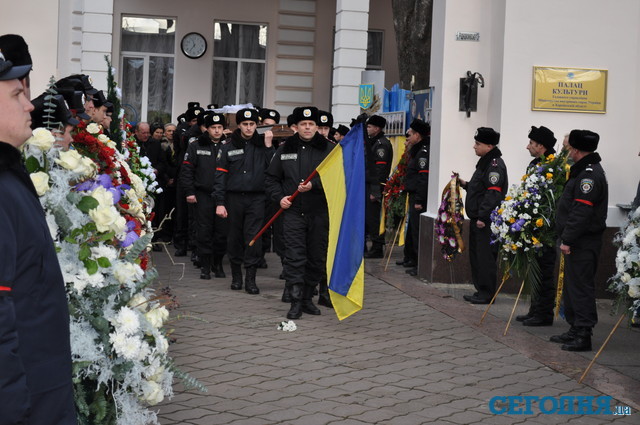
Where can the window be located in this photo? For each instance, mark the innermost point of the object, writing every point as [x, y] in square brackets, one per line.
[147, 49]
[239, 61]
[375, 40]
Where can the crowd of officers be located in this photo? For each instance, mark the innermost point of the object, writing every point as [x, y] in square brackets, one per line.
[228, 184]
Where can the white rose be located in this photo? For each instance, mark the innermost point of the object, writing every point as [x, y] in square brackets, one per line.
[157, 316]
[634, 288]
[103, 138]
[41, 139]
[626, 277]
[139, 302]
[93, 128]
[40, 182]
[103, 196]
[152, 392]
[156, 373]
[162, 345]
[72, 160]
[127, 272]
[88, 167]
[104, 217]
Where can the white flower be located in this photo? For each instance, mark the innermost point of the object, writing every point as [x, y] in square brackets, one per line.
[157, 316]
[108, 219]
[162, 345]
[634, 288]
[41, 139]
[103, 138]
[127, 273]
[103, 196]
[93, 128]
[139, 302]
[72, 160]
[128, 347]
[105, 251]
[53, 226]
[40, 182]
[152, 392]
[287, 326]
[126, 321]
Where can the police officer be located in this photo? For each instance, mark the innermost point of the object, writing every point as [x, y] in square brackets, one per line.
[485, 191]
[182, 236]
[35, 350]
[325, 122]
[541, 142]
[580, 221]
[341, 131]
[239, 193]
[380, 148]
[306, 219]
[417, 186]
[198, 176]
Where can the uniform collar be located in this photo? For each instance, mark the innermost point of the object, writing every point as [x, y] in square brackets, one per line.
[578, 167]
[486, 160]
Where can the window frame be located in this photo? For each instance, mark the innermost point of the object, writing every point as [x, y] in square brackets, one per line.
[381, 66]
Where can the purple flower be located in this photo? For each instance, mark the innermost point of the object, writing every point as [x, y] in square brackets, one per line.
[86, 186]
[131, 225]
[115, 192]
[129, 239]
[104, 180]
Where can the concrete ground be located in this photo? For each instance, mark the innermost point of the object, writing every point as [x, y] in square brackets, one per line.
[414, 355]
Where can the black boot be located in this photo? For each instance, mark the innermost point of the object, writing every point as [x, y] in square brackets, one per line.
[307, 303]
[582, 341]
[375, 251]
[263, 263]
[195, 259]
[250, 281]
[324, 298]
[286, 295]
[295, 312]
[236, 277]
[566, 337]
[218, 271]
[205, 267]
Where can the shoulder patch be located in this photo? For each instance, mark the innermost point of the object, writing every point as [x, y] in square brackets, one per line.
[380, 152]
[494, 177]
[586, 185]
[422, 162]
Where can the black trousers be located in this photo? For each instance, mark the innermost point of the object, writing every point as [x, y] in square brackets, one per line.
[181, 231]
[372, 211]
[211, 230]
[483, 256]
[579, 292]
[543, 300]
[306, 238]
[245, 218]
[412, 237]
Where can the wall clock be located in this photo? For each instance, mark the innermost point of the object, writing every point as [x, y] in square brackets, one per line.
[193, 45]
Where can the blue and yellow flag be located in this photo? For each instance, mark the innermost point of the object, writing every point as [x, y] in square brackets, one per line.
[342, 175]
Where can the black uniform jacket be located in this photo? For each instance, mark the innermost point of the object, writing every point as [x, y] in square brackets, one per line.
[35, 353]
[582, 209]
[241, 166]
[199, 165]
[487, 187]
[382, 152]
[292, 163]
[416, 180]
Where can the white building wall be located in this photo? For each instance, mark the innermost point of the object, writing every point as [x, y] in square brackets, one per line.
[514, 37]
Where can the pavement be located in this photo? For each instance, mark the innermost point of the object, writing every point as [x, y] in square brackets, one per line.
[415, 354]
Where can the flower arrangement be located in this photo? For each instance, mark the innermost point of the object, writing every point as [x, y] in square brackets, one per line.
[394, 197]
[100, 220]
[525, 221]
[449, 221]
[287, 326]
[626, 281]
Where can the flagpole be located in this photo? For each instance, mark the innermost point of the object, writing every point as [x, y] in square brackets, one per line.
[277, 214]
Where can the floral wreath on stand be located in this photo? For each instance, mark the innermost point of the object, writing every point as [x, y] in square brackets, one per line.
[626, 282]
[98, 213]
[525, 221]
[394, 197]
[450, 219]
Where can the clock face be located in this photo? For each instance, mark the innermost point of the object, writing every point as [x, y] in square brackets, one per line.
[193, 45]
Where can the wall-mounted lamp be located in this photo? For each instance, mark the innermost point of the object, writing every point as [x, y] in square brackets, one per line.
[469, 92]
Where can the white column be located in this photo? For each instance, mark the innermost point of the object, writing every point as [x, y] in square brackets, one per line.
[350, 58]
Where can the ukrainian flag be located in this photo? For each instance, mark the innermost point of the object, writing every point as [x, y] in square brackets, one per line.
[342, 175]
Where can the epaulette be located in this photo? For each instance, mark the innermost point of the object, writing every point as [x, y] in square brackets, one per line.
[494, 162]
[589, 168]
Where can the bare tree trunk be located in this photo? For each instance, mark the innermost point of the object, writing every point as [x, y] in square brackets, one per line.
[412, 22]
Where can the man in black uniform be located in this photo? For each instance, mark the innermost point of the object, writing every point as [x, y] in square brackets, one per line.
[581, 220]
[380, 148]
[541, 142]
[325, 122]
[35, 349]
[182, 239]
[306, 219]
[239, 195]
[416, 183]
[198, 176]
[485, 191]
